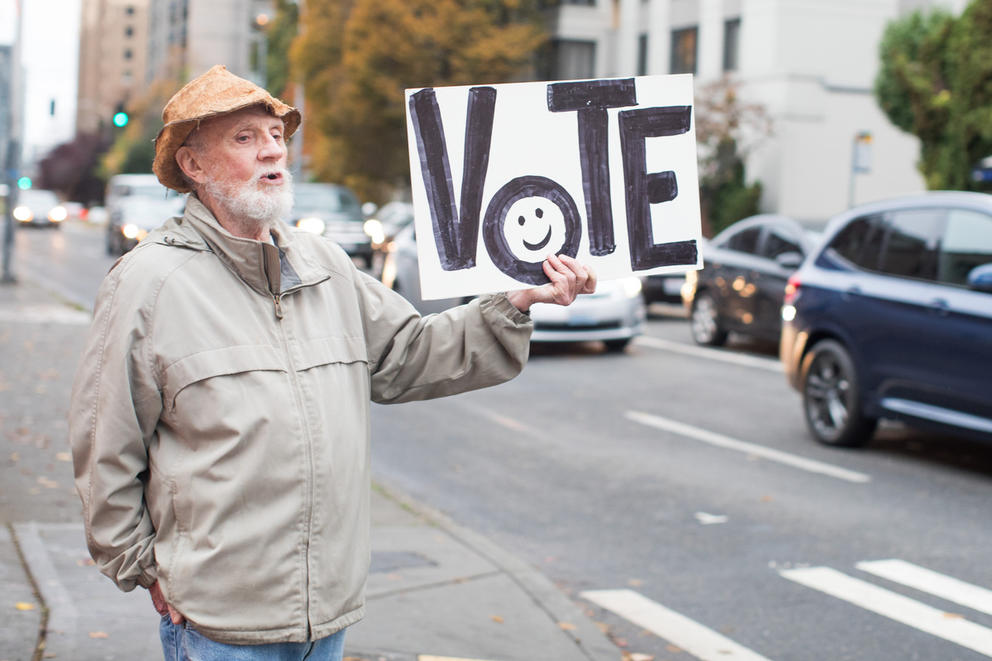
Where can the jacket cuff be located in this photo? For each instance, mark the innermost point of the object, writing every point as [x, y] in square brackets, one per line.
[501, 304]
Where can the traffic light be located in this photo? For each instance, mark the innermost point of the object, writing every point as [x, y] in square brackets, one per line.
[24, 183]
[120, 118]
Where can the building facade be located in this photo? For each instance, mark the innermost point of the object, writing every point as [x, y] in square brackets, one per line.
[810, 63]
[188, 37]
[113, 49]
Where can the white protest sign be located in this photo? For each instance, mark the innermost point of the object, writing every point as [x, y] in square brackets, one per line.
[504, 175]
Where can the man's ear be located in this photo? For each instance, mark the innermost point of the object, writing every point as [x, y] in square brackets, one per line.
[189, 164]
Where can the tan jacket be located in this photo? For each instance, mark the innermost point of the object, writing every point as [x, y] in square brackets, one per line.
[220, 432]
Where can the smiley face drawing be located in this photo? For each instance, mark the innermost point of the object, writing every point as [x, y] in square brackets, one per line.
[528, 219]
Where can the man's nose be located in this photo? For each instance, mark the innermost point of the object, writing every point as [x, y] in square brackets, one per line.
[272, 148]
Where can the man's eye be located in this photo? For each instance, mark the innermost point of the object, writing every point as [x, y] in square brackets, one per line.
[277, 137]
[243, 138]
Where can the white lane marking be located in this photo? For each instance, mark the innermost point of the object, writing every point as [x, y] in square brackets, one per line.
[953, 628]
[769, 364]
[722, 441]
[510, 423]
[927, 580]
[709, 519]
[696, 639]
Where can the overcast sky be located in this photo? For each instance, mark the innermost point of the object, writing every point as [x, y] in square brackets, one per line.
[50, 56]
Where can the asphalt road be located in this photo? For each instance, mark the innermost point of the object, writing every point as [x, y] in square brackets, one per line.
[673, 492]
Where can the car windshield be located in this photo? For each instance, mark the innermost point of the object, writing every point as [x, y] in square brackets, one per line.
[39, 198]
[326, 198]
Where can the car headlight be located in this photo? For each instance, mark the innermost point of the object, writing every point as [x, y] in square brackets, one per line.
[23, 214]
[374, 229]
[311, 224]
[57, 214]
[632, 287]
[130, 231]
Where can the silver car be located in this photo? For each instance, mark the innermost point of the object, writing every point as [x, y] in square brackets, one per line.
[614, 314]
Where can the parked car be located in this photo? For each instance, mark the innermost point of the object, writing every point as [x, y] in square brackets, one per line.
[121, 187]
[401, 272]
[741, 284]
[39, 208]
[892, 318]
[614, 314]
[333, 211]
[136, 215]
[663, 288]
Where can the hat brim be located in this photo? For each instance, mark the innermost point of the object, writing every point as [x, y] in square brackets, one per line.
[174, 134]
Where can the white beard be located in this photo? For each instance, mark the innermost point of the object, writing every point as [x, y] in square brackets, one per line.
[252, 207]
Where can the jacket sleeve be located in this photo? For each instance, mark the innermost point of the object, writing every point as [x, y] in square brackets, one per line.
[479, 344]
[113, 412]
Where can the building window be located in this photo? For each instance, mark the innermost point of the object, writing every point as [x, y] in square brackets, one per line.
[128, 54]
[566, 59]
[130, 10]
[642, 54]
[731, 43]
[683, 58]
[129, 31]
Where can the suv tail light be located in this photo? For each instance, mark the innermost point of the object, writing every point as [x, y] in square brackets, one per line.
[791, 290]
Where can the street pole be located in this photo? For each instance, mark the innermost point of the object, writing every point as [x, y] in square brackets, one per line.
[12, 157]
[10, 172]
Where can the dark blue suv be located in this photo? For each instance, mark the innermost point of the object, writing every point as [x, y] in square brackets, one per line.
[891, 317]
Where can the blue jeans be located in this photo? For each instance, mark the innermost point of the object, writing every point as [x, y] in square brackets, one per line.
[182, 643]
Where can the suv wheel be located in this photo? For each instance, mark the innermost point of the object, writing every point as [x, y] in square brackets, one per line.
[705, 322]
[832, 398]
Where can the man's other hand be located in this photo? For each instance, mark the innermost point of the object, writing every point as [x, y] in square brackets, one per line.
[569, 278]
[162, 607]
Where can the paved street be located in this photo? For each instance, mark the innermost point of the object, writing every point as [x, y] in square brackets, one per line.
[671, 493]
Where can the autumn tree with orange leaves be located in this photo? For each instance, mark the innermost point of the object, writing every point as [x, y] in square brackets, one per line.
[356, 57]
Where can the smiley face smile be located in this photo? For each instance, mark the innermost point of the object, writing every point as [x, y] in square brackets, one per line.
[540, 244]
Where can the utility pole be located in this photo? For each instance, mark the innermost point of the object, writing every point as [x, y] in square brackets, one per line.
[10, 144]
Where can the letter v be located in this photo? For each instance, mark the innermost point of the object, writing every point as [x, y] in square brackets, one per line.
[456, 237]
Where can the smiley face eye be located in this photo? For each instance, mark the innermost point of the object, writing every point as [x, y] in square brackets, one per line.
[521, 220]
[539, 212]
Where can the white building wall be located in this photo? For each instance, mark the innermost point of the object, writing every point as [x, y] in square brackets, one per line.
[810, 63]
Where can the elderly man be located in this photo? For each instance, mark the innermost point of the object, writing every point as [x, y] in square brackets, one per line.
[220, 414]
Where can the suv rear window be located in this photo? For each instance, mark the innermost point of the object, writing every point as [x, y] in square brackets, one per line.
[911, 243]
[860, 242]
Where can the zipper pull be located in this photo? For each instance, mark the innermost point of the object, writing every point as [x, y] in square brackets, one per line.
[278, 303]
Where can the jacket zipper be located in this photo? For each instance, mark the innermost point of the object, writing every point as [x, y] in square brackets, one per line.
[307, 445]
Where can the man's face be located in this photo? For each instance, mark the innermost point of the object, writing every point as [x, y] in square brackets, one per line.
[241, 166]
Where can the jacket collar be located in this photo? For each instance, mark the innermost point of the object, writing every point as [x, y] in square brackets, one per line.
[257, 263]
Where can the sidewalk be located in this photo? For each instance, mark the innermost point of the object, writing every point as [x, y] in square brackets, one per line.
[436, 590]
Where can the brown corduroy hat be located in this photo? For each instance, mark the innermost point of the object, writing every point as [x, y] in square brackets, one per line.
[217, 92]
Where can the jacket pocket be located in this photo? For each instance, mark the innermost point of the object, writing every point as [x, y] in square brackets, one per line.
[326, 350]
[226, 361]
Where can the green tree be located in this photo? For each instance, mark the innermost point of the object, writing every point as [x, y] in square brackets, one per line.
[727, 128]
[935, 82]
[355, 85]
[279, 37]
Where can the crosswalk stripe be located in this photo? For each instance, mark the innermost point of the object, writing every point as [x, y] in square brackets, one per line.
[927, 580]
[694, 638]
[729, 443]
[895, 606]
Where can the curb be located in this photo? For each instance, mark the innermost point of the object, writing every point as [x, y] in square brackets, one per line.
[546, 595]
